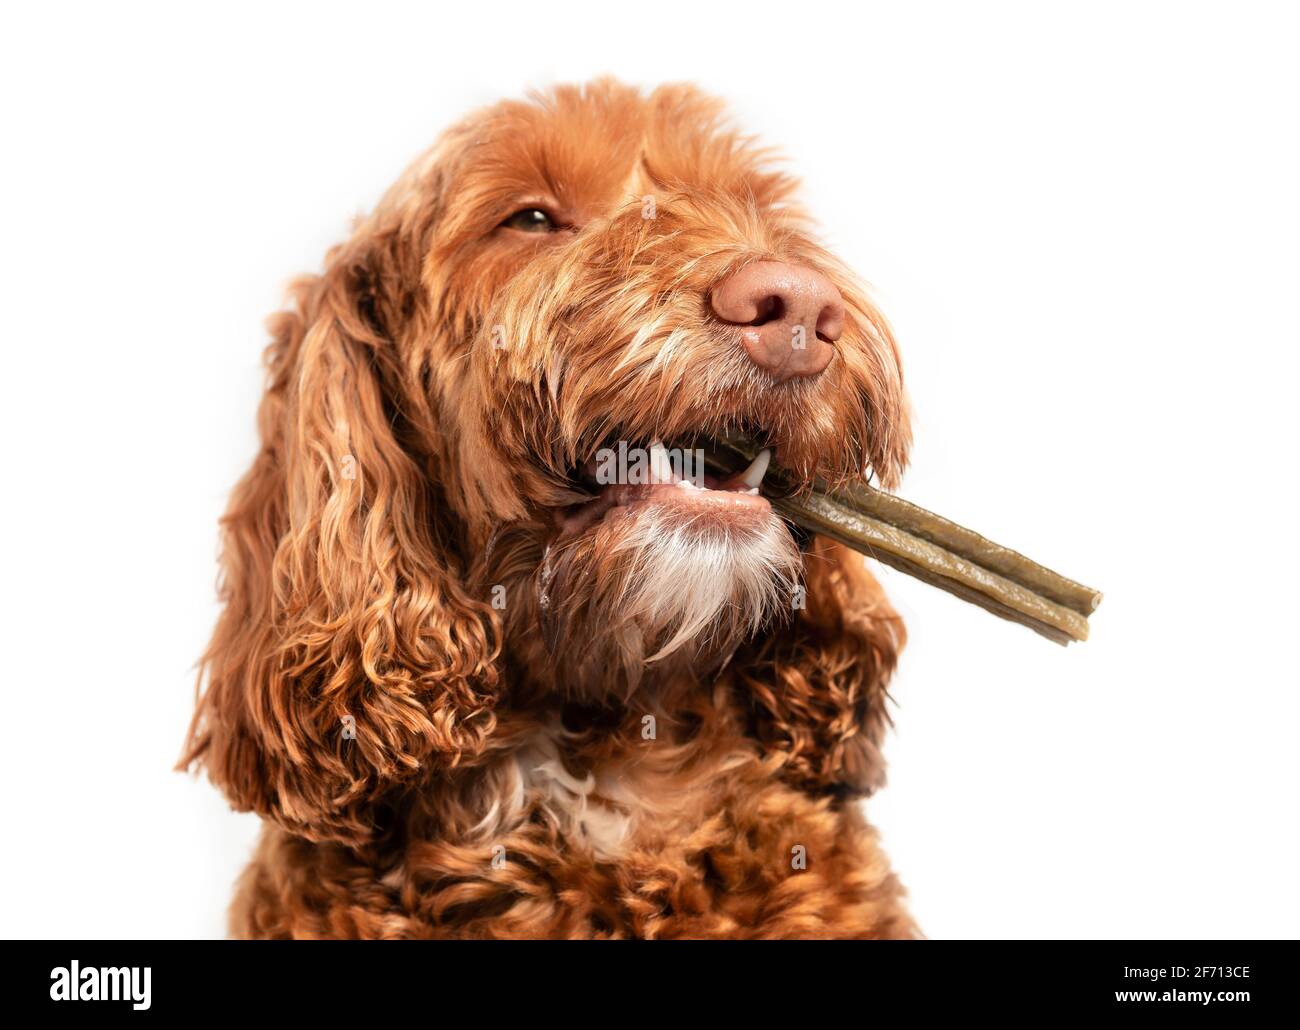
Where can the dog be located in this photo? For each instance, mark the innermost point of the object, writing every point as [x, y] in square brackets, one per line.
[472, 691]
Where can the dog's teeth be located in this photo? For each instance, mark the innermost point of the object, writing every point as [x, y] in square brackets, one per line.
[661, 466]
[753, 475]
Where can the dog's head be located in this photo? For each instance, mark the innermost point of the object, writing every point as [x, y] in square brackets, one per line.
[487, 436]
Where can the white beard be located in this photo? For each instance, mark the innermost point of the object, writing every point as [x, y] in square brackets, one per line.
[654, 582]
[703, 580]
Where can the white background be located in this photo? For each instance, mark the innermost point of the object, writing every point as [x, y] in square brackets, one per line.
[1082, 221]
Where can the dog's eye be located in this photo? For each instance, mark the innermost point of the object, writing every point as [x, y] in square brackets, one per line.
[530, 219]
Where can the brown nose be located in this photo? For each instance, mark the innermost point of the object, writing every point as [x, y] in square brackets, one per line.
[794, 314]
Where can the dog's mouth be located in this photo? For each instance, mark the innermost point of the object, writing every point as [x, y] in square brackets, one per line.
[681, 475]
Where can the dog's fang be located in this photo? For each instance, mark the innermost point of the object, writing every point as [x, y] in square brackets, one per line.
[752, 477]
[661, 466]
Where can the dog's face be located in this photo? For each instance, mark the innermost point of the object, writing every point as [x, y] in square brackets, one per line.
[613, 283]
[475, 435]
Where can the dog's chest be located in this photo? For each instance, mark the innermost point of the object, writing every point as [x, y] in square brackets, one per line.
[613, 809]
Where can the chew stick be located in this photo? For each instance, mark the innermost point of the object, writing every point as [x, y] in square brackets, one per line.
[936, 551]
[971, 545]
[918, 557]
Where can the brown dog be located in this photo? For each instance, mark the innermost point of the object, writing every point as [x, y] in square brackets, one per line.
[479, 688]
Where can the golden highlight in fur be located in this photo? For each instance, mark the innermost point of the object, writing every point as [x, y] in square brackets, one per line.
[470, 695]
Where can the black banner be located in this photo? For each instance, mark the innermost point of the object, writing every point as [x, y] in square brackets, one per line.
[151, 981]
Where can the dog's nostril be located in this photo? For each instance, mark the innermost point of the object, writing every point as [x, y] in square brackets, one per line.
[830, 322]
[770, 309]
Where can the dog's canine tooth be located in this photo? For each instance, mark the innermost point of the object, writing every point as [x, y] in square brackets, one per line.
[661, 465]
[752, 477]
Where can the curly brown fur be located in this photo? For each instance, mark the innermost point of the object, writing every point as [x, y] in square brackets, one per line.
[464, 711]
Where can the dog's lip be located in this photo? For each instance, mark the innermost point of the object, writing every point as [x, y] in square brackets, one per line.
[735, 495]
[624, 497]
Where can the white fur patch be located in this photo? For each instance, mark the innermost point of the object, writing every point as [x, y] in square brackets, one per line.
[697, 577]
[582, 808]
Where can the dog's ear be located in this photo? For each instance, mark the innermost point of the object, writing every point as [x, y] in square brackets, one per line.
[815, 689]
[349, 659]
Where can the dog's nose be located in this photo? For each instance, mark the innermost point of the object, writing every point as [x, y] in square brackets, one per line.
[794, 314]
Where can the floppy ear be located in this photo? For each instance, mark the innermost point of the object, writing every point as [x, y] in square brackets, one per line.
[348, 660]
[816, 687]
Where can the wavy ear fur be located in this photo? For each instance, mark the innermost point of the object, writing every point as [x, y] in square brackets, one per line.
[816, 688]
[348, 660]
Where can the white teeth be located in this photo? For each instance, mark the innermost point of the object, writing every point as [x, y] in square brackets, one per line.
[753, 475]
[661, 466]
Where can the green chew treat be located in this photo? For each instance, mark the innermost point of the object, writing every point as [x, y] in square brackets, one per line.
[966, 543]
[933, 549]
[916, 556]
